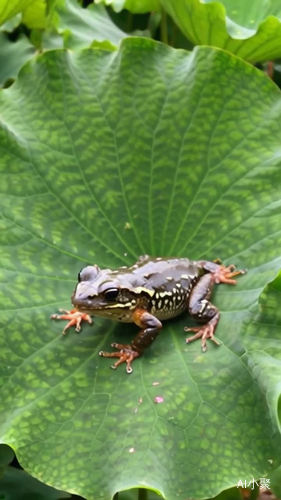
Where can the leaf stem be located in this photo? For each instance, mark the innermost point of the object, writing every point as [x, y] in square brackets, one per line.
[164, 31]
[130, 22]
[142, 494]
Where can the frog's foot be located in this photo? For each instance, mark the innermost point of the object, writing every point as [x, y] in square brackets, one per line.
[224, 274]
[74, 318]
[126, 355]
[204, 332]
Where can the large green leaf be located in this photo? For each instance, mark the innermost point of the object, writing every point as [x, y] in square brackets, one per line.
[252, 30]
[105, 156]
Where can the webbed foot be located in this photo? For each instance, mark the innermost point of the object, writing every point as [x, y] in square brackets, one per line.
[126, 355]
[224, 274]
[204, 332]
[74, 318]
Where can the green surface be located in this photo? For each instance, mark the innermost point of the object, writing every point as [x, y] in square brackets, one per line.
[106, 156]
[251, 30]
[135, 6]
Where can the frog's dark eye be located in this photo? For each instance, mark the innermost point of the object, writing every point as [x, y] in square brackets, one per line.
[111, 294]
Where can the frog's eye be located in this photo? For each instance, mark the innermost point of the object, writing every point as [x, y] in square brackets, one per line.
[111, 294]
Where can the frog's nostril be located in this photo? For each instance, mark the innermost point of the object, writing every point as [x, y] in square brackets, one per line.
[90, 297]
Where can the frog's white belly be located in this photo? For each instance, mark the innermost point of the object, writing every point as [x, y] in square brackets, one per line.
[168, 312]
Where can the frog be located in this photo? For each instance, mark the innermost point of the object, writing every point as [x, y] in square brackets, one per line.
[152, 290]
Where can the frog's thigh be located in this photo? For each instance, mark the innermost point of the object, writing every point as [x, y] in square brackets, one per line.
[150, 328]
[199, 306]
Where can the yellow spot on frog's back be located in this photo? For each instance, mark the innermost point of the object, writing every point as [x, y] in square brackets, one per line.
[140, 289]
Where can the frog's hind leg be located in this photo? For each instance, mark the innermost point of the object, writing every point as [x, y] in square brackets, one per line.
[150, 328]
[199, 305]
[202, 309]
[221, 273]
[125, 354]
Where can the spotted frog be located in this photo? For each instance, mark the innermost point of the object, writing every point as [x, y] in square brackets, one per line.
[150, 291]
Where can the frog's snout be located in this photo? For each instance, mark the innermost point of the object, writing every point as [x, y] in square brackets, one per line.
[83, 296]
[81, 303]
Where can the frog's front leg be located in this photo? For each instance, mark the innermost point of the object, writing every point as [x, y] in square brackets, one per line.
[74, 318]
[199, 305]
[150, 328]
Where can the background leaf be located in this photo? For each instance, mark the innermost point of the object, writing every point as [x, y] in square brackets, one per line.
[105, 156]
[33, 11]
[11, 24]
[34, 15]
[135, 6]
[250, 30]
[275, 482]
[13, 55]
[79, 27]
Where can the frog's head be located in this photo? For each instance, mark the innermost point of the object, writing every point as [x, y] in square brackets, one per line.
[103, 293]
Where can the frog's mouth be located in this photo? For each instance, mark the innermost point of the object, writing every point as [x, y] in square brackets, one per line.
[89, 305]
[98, 307]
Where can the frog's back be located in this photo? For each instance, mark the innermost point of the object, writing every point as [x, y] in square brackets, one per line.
[170, 281]
[162, 272]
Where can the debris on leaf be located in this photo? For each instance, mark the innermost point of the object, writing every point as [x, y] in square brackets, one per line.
[158, 399]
